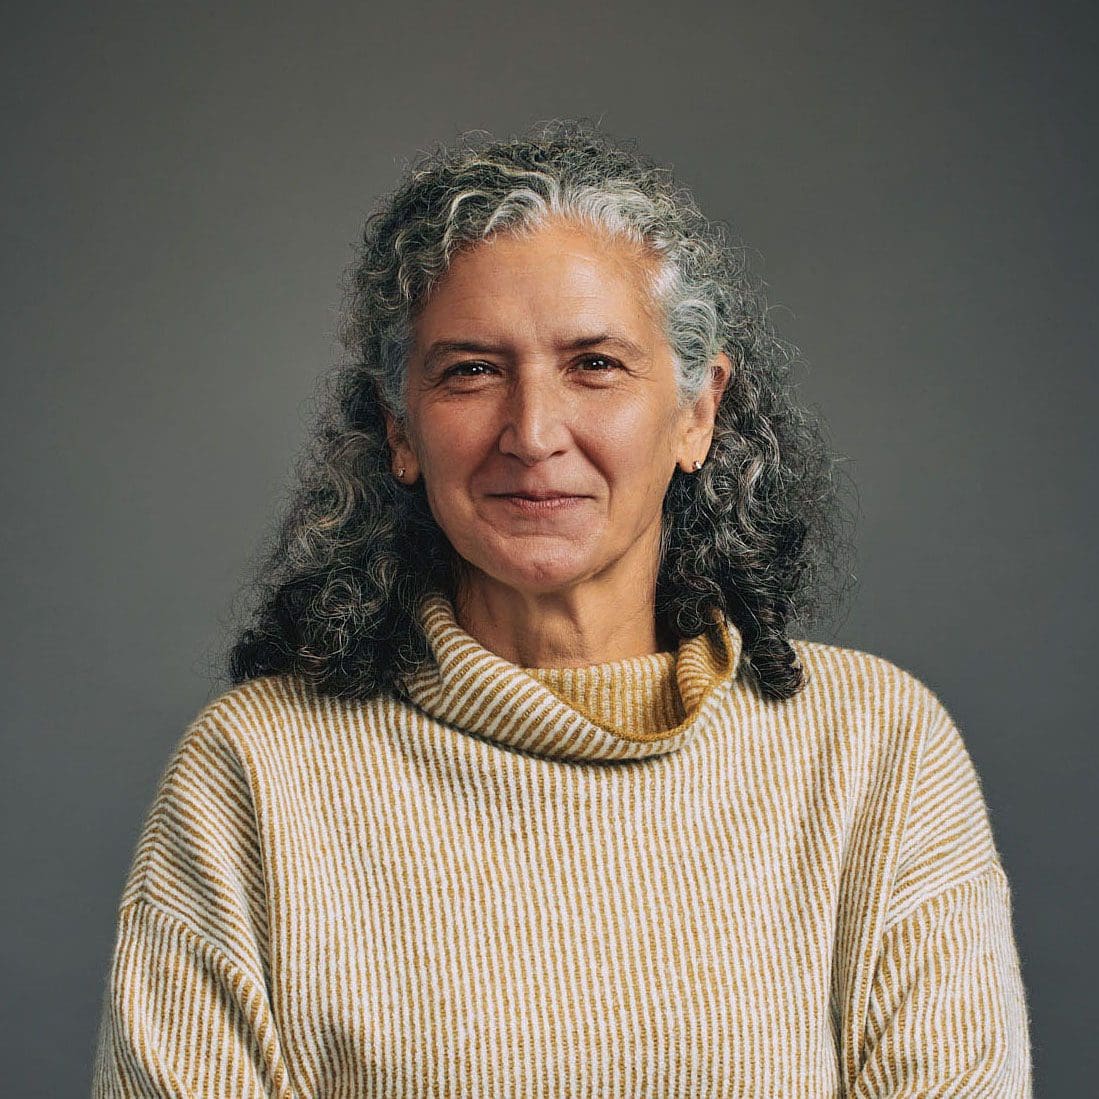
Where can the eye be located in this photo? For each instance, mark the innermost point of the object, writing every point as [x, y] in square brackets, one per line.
[453, 371]
[601, 362]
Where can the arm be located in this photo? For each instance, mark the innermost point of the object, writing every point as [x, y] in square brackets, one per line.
[182, 1019]
[946, 1012]
[186, 1010]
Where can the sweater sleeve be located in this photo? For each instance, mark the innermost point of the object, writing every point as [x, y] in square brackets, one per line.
[181, 1019]
[186, 1010]
[946, 1013]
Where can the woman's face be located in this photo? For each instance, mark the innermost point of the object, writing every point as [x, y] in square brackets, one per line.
[539, 367]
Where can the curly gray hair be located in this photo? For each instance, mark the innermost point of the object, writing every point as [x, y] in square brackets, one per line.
[756, 532]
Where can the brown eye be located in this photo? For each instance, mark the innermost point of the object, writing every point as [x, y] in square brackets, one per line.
[600, 361]
[453, 371]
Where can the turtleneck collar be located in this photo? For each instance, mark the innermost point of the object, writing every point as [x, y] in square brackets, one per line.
[624, 709]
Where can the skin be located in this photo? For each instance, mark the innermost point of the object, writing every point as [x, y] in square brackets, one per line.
[575, 585]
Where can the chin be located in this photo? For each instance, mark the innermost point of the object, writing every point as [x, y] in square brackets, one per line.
[536, 577]
[531, 563]
[541, 581]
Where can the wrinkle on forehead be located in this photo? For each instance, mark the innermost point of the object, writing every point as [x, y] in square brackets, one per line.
[579, 284]
[637, 263]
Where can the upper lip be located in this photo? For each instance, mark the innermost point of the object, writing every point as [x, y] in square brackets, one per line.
[536, 493]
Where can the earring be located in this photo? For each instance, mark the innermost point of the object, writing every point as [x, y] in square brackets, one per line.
[400, 473]
[696, 465]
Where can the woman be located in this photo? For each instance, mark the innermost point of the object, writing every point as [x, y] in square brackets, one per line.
[521, 787]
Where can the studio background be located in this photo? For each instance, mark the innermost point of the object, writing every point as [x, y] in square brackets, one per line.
[182, 186]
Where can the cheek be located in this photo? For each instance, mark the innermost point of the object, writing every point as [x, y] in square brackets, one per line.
[449, 446]
[637, 444]
[449, 463]
[446, 484]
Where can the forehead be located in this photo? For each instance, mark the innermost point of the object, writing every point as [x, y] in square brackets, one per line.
[540, 280]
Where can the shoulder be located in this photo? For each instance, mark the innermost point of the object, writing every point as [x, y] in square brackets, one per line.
[274, 712]
[867, 685]
[264, 735]
[247, 750]
[910, 742]
[215, 759]
[891, 722]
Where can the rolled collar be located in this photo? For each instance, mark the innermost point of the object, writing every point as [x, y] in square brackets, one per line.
[475, 691]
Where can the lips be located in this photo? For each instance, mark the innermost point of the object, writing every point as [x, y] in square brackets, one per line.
[536, 495]
[539, 501]
[527, 496]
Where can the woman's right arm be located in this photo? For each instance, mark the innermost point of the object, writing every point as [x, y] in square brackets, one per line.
[182, 1019]
[186, 1010]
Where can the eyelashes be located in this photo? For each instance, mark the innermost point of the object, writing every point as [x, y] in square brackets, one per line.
[612, 364]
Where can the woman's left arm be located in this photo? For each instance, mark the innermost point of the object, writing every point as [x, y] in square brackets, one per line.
[946, 1013]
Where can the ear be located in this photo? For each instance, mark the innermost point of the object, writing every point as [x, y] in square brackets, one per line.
[698, 426]
[404, 457]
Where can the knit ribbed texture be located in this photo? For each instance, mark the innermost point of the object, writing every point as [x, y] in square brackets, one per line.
[636, 879]
[473, 690]
[625, 696]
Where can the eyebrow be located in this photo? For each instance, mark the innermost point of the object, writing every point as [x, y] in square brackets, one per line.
[441, 348]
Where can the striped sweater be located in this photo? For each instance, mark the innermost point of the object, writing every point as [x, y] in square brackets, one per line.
[640, 878]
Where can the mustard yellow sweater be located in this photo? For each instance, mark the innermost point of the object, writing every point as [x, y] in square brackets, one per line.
[634, 879]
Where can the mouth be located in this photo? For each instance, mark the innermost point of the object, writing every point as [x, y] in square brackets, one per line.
[536, 495]
[536, 502]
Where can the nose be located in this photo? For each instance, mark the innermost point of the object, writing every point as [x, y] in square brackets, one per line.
[536, 420]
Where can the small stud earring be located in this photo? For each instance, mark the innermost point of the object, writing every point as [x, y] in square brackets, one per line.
[696, 465]
[400, 473]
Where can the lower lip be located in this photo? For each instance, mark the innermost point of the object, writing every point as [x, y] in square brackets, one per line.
[541, 507]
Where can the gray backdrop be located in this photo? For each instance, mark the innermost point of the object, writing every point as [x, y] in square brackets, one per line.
[181, 188]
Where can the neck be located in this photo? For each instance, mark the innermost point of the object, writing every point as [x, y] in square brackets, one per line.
[568, 628]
